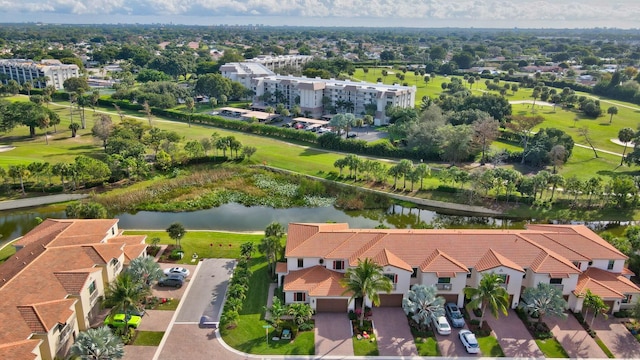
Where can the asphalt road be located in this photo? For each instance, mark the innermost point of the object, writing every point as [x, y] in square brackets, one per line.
[207, 291]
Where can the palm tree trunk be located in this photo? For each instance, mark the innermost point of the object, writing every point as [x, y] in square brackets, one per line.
[364, 298]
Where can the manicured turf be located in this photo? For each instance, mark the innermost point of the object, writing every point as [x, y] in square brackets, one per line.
[148, 338]
[427, 346]
[364, 347]
[207, 244]
[604, 348]
[249, 336]
[170, 305]
[490, 347]
[6, 252]
[551, 348]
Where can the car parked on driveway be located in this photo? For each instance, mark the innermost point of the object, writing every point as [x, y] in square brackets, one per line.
[442, 325]
[118, 321]
[469, 341]
[174, 280]
[454, 315]
[177, 270]
[352, 135]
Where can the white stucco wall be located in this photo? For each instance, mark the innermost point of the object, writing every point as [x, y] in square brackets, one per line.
[618, 265]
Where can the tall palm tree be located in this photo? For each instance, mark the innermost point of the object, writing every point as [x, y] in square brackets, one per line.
[98, 344]
[189, 105]
[144, 270]
[275, 229]
[489, 294]
[625, 135]
[271, 247]
[366, 281]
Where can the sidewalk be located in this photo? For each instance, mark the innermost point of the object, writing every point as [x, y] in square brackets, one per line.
[39, 201]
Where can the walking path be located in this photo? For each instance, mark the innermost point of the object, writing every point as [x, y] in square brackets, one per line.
[39, 201]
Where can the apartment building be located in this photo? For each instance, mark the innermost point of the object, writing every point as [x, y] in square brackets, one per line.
[40, 74]
[244, 72]
[275, 62]
[570, 257]
[315, 96]
[52, 287]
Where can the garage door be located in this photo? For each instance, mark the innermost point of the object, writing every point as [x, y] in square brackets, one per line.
[450, 298]
[332, 305]
[610, 305]
[391, 300]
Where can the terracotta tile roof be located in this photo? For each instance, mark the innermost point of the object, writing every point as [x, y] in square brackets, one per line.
[316, 280]
[548, 262]
[64, 232]
[492, 259]
[582, 240]
[613, 281]
[20, 350]
[74, 281]
[128, 239]
[46, 232]
[626, 271]
[586, 283]
[21, 259]
[44, 316]
[298, 233]
[133, 251]
[386, 257]
[281, 268]
[106, 252]
[442, 264]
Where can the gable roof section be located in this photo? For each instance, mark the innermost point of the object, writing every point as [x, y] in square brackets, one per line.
[547, 262]
[492, 259]
[82, 232]
[133, 251]
[44, 316]
[316, 280]
[612, 281]
[105, 252]
[386, 257]
[581, 240]
[46, 232]
[298, 233]
[442, 264]
[74, 281]
[20, 350]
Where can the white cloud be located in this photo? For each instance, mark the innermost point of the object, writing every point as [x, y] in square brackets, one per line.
[611, 12]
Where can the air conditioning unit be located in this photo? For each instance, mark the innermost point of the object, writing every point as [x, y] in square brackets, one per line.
[447, 287]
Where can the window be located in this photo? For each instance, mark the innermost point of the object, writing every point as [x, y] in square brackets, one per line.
[469, 273]
[300, 296]
[300, 263]
[338, 265]
[505, 278]
[414, 274]
[392, 277]
[627, 299]
[610, 265]
[576, 264]
[556, 281]
[444, 280]
[92, 287]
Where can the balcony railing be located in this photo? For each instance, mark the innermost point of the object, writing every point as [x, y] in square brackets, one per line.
[443, 286]
[65, 332]
[558, 286]
[93, 297]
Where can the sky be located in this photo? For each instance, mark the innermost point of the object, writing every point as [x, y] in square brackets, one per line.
[622, 14]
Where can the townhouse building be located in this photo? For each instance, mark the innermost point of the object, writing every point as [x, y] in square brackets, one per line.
[570, 257]
[40, 74]
[52, 287]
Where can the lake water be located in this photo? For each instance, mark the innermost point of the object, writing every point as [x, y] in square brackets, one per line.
[237, 217]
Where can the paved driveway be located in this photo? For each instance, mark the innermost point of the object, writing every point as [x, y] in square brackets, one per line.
[450, 345]
[513, 336]
[188, 341]
[574, 337]
[333, 334]
[207, 291]
[617, 338]
[171, 292]
[393, 333]
[156, 320]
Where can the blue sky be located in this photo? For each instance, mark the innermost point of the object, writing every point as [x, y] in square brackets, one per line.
[379, 13]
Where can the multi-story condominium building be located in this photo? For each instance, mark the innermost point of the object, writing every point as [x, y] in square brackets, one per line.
[44, 73]
[244, 72]
[52, 287]
[570, 257]
[314, 96]
[275, 62]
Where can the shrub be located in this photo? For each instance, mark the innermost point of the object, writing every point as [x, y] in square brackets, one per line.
[474, 322]
[622, 314]
[477, 312]
[352, 315]
[579, 317]
[306, 326]
[176, 254]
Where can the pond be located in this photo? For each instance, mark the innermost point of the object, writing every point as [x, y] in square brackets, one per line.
[237, 217]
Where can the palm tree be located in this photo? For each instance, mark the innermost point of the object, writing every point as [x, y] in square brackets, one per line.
[74, 128]
[124, 293]
[612, 110]
[144, 270]
[277, 311]
[595, 303]
[364, 281]
[275, 229]
[300, 312]
[247, 249]
[625, 135]
[422, 304]
[21, 172]
[489, 294]
[189, 104]
[98, 344]
[176, 231]
[422, 171]
[270, 246]
[543, 300]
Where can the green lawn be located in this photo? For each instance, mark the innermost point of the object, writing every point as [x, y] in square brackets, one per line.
[551, 348]
[604, 348]
[364, 347]
[170, 305]
[427, 346]
[7, 252]
[490, 347]
[249, 335]
[207, 244]
[148, 338]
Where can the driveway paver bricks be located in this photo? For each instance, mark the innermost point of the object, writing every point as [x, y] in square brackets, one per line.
[333, 334]
[393, 332]
[132, 352]
[156, 320]
[188, 341]
[513, 336]
[574, 338]
[616, 337]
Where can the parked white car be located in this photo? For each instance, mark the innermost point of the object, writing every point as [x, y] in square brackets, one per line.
[469, 341]
[442, 325]
[177, 270]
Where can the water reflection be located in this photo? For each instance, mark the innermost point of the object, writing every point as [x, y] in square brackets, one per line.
[237, 217]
